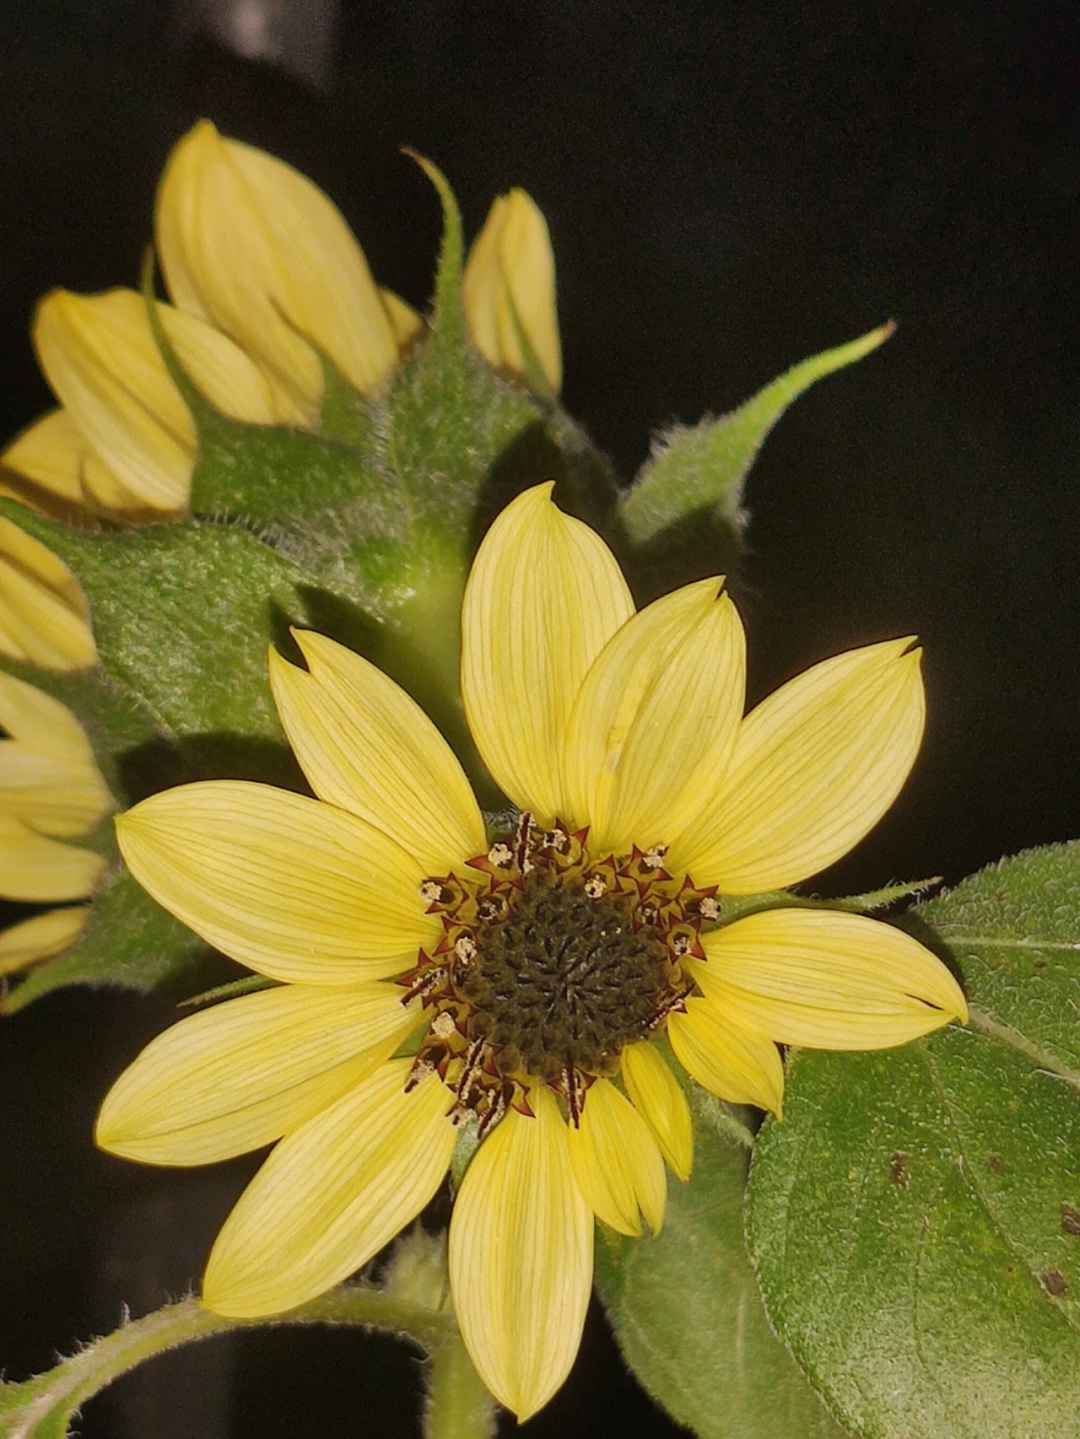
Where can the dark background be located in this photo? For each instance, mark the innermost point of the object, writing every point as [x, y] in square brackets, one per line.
[729, 189]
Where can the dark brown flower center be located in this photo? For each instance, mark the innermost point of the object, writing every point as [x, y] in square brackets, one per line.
[551, 963]
[564, 981]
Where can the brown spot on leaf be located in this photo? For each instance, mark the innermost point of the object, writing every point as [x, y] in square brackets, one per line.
[1054, 1282]
[995, 1163]
[898, 1170]
[1070, 1219]
[1010, 1269]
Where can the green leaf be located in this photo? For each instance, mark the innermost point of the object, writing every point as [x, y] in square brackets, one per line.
[689, 1320]
[182, 617]
[915, 1217]
[698, 473]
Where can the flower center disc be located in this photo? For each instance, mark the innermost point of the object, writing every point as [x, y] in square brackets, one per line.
[564, 980]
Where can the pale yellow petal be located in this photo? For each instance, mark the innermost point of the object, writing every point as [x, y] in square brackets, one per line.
[39, 870]
[544, 597]
[406, 324]
[220, 370]
[245, 1072]
[827, 979]
[331, 1195]
[508, 290]
[49, 453]
[105, 491]
[815, 767]
[40, 937]
[616, 1161]
[482, 284]
[291, 887]
[655, 719]
[49, 778]
[521, 1257]
[44, 617]
[99, 356]
[737, 1065]
[368, 748]
[658, 1098]
[251, 245]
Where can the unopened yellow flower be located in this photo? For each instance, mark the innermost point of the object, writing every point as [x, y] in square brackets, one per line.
[534, 971]
[508, 290]
[51, 792]
[256, 249]
[125, 439]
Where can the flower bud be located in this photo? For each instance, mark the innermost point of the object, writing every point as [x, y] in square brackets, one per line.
[509, 293]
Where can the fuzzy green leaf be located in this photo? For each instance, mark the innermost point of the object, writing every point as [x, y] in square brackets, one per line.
[688, 1316]
[915, 1217]
[697, 473]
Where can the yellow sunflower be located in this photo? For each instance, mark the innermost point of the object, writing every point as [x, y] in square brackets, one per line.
[534, 969]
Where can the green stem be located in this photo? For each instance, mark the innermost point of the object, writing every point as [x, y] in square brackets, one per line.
[458, 1405]
[44, 1404]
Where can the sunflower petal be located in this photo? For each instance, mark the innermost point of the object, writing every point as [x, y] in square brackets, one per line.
[246, 1072]
[253, 246]
[656, 1095]
[49, 778]
[815, 766]
[44, 616]
[50, 454]
[543, 598]
[331, 1195]
[827, 979]
[40, 937]
[291, 887]
[736, 1065]
[366, 747]
[655, 718]
[521, 1258]
[508, 290]
[616, 1161]
[39, 870]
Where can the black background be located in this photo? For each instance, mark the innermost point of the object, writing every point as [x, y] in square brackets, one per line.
[729, 189]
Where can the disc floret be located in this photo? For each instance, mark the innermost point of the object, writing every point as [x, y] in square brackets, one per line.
[552, 960]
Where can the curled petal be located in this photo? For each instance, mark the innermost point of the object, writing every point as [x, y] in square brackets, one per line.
[815, 766]
[100, 356]
[365, 746]
[521, 1257]
[40, 937]
[293, 888]
[736, 1064]
[49, 778]
[827, 980]
[245, 1072]
[508, 291]
[616, 1161]
[254, 247]
[50, 454]
[331, 1195]
[39, 870]
[655, 718]
[544, 596]
[44, 616]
